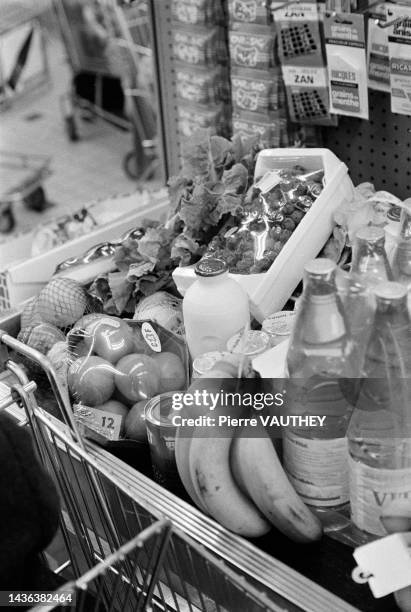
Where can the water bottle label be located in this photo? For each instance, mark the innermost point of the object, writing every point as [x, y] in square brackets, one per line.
[318, 469]
[372, 490]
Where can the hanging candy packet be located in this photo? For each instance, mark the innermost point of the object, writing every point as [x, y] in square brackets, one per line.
[269, 126]
[399, 49]
[202, 85]
[346, 64]
[191, 117]
[249, 11]
[377, 51]
[198, 45]
[300, 53]
[252, 46]
[255, 90]
[299, 40]
[198, 12]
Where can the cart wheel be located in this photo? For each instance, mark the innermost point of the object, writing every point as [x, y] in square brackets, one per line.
[36, 200]
[136, 171]
[71, 128]
[7, 221]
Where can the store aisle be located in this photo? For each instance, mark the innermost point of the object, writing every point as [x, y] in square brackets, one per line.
[81, 171]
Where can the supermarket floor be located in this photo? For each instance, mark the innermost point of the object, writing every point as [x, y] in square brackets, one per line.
[81, 171]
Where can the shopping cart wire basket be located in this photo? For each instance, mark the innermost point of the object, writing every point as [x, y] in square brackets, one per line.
[112, 584]
[104, 505]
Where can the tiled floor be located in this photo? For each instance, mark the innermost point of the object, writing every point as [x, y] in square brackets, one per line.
[81, 171]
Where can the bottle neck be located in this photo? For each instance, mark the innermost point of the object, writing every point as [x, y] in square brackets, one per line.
[322, 317]
[405, 231]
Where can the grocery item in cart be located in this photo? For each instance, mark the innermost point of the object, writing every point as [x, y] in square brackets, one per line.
[233, 473]
[161, 433]
[279, 326]
[115, 364]
[253, 343]
[379, 430]
[62, 302]
[401, 264]
[320, 357]
[214, 308]
[273, 208]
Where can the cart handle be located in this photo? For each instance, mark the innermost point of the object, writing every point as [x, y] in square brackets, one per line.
[57, 388]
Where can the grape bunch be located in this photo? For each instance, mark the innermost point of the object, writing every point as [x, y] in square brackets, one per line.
[268, 221]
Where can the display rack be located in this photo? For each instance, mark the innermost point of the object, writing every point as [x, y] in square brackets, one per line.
[168, 128]
[378, 150]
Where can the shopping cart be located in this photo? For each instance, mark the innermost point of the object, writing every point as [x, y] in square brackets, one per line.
[21, 179]
[103, 509]
[108, 43]
[111, 584]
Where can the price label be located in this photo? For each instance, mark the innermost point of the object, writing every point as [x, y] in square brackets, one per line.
[151, 337]
[105, 423]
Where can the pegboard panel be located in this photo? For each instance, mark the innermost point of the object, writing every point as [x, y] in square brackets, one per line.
[166, 85]
[378, 150]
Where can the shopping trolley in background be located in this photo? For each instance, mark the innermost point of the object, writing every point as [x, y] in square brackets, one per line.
[108, 43]
[21, 180]
[105, 504]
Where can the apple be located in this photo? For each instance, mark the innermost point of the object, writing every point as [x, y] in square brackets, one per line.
[140, 345]
[110, 338]
[121, 398]
[116, 407]
[172, 372]
[91, 380]
[137, 377]
[135, 423]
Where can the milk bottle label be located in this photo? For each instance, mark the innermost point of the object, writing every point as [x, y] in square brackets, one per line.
[318, 469]
[372, 490]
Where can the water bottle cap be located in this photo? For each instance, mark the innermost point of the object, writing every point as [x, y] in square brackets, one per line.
[370, 233]
[390, 291]
[320, 266]
[210, 266]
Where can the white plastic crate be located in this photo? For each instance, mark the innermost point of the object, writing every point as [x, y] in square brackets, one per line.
[24, 279]
[269, 291]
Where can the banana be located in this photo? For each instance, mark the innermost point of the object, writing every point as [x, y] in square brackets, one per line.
[182, 451]
[259, 473]
[215, 486]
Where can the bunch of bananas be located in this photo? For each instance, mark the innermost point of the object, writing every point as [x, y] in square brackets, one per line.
[239, 480]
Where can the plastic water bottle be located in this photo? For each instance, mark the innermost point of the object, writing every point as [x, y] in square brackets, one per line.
[369, 268]
[380, 428]
[370, 263]
[215, 308]
[401, 263]
[320, 357]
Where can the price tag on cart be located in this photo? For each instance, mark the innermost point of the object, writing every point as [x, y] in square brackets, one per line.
[104, 423]
[385, 564]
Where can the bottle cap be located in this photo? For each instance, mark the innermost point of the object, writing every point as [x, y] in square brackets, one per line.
[320, 266]
[390, 291]
[370, 233]
[210, 266]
